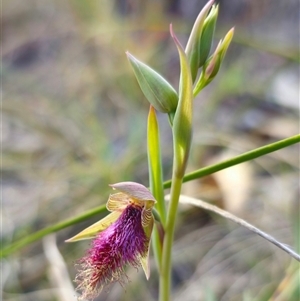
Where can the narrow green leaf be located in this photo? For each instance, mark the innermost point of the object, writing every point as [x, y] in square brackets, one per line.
[156, 181]
[22, 242]
[247, 156]
[155, 164]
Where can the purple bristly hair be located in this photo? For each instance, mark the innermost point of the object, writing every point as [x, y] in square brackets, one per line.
[123, 243]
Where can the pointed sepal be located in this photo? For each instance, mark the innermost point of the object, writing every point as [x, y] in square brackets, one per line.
[144, 260]
[93, 230]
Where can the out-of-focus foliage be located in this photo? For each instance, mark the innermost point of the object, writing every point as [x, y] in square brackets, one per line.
[74, 120]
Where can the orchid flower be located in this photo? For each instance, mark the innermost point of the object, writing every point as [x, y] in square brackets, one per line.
[122, 238]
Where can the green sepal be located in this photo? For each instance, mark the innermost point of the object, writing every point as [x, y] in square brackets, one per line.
[159, 92]
[144, 260]
[93, 230]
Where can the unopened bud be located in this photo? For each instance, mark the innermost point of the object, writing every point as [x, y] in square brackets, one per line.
[159, 92]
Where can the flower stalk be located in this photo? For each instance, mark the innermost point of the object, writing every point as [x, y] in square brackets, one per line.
[182, 136]
[165, 275]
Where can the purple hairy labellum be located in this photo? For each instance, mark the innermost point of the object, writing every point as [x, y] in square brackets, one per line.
[120, 239]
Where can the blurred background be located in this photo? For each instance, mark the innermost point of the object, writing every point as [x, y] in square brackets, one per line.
[74, 120]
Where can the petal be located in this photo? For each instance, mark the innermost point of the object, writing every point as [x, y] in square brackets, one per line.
[144, 260]
[117, 202]
[96, 228]
[147, 217]
[135, 190]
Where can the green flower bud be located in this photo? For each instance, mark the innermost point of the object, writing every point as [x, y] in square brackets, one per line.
[207, 35]
[194, 43]
[213, 64]
[159, 92]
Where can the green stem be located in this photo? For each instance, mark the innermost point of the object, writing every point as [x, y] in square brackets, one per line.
[253, 154]
[54, 228]
[165, 275]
